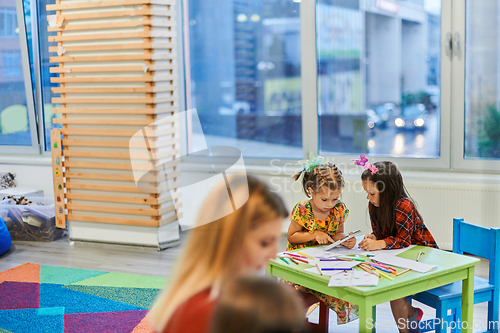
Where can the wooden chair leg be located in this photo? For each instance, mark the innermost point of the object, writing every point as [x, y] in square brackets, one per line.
[324, 317]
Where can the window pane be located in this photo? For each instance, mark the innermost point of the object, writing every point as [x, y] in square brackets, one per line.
[482, 80]
[379, 77]
[245, 75]
[14, 123]
[43, 35]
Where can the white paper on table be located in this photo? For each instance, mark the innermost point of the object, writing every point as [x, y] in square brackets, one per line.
[325, 273]
[403, 263]
[332, 264]
[393, 252]
[340, 241]
[344, 279]
[318, 252]
[344, 264]
[364, 279]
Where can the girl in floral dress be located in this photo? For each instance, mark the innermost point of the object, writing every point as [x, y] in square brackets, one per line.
[320, 220]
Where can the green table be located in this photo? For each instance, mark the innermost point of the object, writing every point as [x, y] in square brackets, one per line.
[451, 267]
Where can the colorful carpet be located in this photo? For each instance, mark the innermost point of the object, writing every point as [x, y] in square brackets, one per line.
[40, 298]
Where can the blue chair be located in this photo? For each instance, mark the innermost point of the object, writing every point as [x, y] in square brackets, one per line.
[481, 242]
[5, 240]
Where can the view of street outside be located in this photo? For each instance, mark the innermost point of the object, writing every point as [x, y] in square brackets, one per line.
[378, 76]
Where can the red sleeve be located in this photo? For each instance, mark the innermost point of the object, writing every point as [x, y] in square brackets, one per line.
[192, 316]
[405, 224]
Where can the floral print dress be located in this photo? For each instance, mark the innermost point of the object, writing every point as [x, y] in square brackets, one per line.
[303, 214]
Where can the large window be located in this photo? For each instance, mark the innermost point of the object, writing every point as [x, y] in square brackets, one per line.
[379, 77]
[416, 81]
[244, 59]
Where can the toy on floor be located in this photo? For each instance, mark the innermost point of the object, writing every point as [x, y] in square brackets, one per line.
[5, 240]
[7, 180]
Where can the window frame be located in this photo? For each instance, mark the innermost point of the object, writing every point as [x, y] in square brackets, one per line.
[310, 118]
[30, 104]
[459, 163]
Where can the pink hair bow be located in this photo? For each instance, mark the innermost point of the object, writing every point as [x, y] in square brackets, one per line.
[363, 162]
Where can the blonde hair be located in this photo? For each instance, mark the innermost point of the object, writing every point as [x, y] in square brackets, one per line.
[258, 305]
[213, 250]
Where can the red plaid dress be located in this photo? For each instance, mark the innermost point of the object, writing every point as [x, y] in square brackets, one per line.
[410, 230]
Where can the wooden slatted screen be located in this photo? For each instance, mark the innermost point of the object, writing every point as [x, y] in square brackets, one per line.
[116, 74]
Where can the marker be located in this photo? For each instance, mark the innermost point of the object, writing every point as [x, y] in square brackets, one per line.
[419, 254]
[371, 269]
[365, 269]
[336, 269]
[330, 259]
[386, 276]
[301, 260]
[370, 255]
[319, 269]
[402, 272]
[292, 260]
[380, 268]
[285, 260]
[344, 259]
[294, 255]
[380, 264]
[305, 255]
[390, 269]
[355, 259]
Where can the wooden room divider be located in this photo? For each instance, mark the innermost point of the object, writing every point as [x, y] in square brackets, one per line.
[117, 75]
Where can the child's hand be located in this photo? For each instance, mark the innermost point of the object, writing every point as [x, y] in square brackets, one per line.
[350, 243]
[322, 238]
[370, 236]
[370, 244]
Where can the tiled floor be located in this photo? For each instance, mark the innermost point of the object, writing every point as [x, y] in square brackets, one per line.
[147, 261]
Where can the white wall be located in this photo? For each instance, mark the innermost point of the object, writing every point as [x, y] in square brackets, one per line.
[440, 196]
[38, 177]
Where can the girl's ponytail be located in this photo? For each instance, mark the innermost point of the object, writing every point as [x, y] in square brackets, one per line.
[297, 175]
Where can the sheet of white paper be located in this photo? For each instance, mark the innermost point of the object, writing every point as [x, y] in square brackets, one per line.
[403, 263]
[338, 264]
[362, 278]
[325, 273]
[337, 243]
[320, 252]
[341, 280]
[394, 252]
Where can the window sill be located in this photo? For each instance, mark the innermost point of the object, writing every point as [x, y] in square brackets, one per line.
[353, 173]
[26, 160]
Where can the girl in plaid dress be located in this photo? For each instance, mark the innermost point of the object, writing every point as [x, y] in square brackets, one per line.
[320, 220]
[396, 223]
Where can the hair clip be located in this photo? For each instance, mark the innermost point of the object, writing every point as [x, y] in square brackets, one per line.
[362, 161]
[311, 162]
